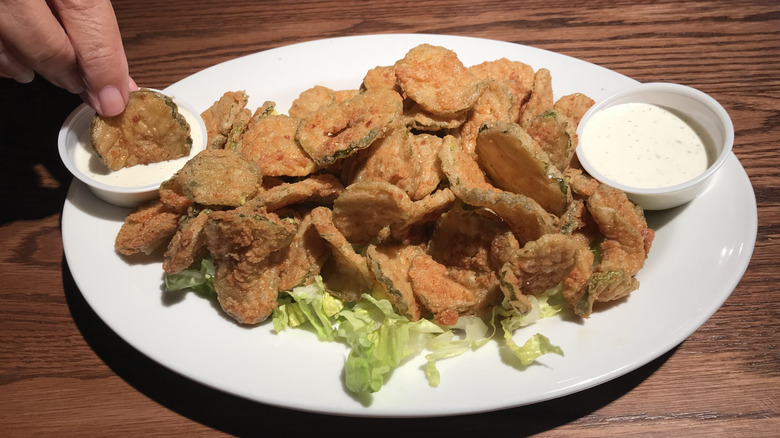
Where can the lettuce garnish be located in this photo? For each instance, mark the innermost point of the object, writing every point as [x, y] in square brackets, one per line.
[199, 280]
[379, 339]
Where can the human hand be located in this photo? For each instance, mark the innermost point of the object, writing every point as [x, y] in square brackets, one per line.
[74, 44]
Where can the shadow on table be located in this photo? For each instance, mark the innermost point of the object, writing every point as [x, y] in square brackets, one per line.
[33, 180]
[237, 416]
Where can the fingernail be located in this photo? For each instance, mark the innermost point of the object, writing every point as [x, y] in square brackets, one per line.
[111, 101]
[25, 77]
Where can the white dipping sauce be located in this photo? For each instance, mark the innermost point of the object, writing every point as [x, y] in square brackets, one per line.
[645, 146]
[140, 175]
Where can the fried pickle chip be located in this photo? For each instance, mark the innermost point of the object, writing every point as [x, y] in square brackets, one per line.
[494, 105]
[149, 130]
[388, 159]
[541, 98]
[512, 289]
[556, 134]
[365, 208]
[516, 163]
[246, 275]
[311, 100]
[517, 75]
[524, 216]
[340, 129]
[187, 245]
[172, 195]
[238, 234]
[573, 106]
[390, 265]
[416, 117]
[346, 274]
[316, 189]
[427, 165]
[269, 141]
[219, 177]
[146, 228]
[226, 118]
[435, 78]
[381, 77]
[463, 238]
[627, 238]
[304, 258]
[440, 294]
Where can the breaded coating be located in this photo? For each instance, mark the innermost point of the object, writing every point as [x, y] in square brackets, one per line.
[246, 274]
[226, 118]
[524, 216]
[317, 189]
[493, 105]
[381, 77]
[574, 106]
[311, 100]
[388, 159]
[463, 239]
[365, 208]
[219, 177]
[427, 165]
[541, 98]
[340, 129]
[435, 78]
[303, 259]
[246, 291]
[544, 263]
[172, 195]
[417, 118]
[149, 130]
[146, 228]
[390, 265]
[556, 134]
[516, 163]
[515, 74]
[269, 141]
[346, 274]
[187, 245]
[627, 239]
[236, 234]
[440, 294]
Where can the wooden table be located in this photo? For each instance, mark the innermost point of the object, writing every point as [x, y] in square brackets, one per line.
[63, 372]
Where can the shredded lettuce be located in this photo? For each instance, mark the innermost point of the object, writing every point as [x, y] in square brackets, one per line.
[379, 339]
[199, 280]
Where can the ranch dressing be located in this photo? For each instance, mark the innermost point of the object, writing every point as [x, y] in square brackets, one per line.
[140, 175]
[646, 146]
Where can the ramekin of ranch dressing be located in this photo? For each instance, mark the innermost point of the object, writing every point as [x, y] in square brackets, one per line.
[130, 186]
[660, 143]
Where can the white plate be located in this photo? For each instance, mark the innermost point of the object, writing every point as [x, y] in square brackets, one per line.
[699, 255]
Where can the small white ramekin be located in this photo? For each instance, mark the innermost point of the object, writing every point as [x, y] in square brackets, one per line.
[702, 108]
[71, 137]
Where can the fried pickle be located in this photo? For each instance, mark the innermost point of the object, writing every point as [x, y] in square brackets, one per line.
[269, 141]
[340, 129]
[435, 78]
[146, 228]
[219, 177]
[149, 130]
[226, 118]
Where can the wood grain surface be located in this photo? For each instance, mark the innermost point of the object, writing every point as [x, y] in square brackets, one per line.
[63, 372]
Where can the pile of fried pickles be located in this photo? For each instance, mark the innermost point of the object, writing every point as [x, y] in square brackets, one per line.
[442, 188]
